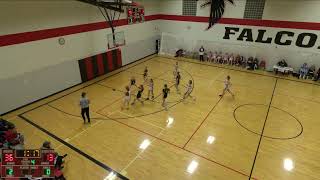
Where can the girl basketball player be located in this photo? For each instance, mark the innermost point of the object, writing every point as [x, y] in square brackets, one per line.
[227, 85]
[165, 92]
[145, 74]
[188, 91]
[139, 94]
[126, 99]
[178, 77]
[150, 89]
[133, 82]
[176, 69]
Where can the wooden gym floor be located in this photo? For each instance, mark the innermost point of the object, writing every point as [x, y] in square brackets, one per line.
[269, 131]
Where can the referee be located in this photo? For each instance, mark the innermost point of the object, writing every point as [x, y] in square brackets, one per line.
[84, 104]
[201, 53]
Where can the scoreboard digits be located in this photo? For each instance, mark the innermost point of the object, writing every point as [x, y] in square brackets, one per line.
[27, 163]
[135, 14]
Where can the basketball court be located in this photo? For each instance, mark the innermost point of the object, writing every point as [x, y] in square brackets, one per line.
[223, 136]
[269, 130]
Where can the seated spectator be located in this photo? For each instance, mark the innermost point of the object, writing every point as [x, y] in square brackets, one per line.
[14, 139]
[255, 63]
[282, 63]
[303, 71]
[219, 58]
[214, 57]
[311, 71]
[225, 58]
[237, 60]
[231, 59]
[243, 61]
[250, 64]
[179, 53]
[209, 56]
[59, 159]
[317, 75]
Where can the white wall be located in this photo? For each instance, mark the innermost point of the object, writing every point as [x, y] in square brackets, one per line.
[292, 10]
[275, 9]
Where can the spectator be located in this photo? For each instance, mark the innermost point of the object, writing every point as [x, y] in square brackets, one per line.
[303, 71]
[14, 139]
[231, 60]
[243, 61]
[209, 57]
[179, 53]
[225, 58]
[250, 64]
[317, 75]
[311, 71]
[214, 57]
[201, 53]
[238, 60]
[282, 63]
[59, 159]
[255, 63]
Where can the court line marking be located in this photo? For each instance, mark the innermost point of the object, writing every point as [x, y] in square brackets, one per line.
[151, 124]
[80, 133]
[265, 136]
[176, 145]
[184, 146]
[140, 153]
[264, 124]
[144, 133]
[74, 148]
[222, 72]
[172, 144]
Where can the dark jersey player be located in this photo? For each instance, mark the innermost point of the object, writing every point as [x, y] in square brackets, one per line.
[139, 95]
[165, 92]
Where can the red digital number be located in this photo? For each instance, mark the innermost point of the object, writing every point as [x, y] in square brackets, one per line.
[8, 157]
[50, 157]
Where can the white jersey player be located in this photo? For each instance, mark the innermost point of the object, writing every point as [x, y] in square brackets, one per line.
[227, 85]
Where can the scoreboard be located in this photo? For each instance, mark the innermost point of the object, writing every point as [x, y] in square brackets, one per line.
[135, 14]
[27, 163]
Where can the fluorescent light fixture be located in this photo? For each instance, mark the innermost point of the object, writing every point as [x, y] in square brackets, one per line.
[288, 164]
[145, 144]
[211, 139]
[192, 167]
[111, 176]
[170, 121]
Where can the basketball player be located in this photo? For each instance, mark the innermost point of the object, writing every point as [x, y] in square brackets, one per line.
[132, 82]
[227, 85]
[178, 77]
[126, 99]
[139, 94]
[176, 69]
[188, 91]
[145, 74]
[84, 104]
[150, 91]
[165, 92]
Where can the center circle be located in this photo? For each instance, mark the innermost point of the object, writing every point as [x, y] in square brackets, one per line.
[279, 124]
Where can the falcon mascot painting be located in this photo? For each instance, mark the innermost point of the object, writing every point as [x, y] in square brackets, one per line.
[216, 10]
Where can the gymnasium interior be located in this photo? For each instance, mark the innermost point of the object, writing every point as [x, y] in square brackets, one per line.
[174, 89]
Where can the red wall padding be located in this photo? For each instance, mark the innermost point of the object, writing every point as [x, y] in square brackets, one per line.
[100, 64]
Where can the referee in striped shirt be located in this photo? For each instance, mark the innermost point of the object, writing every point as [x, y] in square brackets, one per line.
[84, 104]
